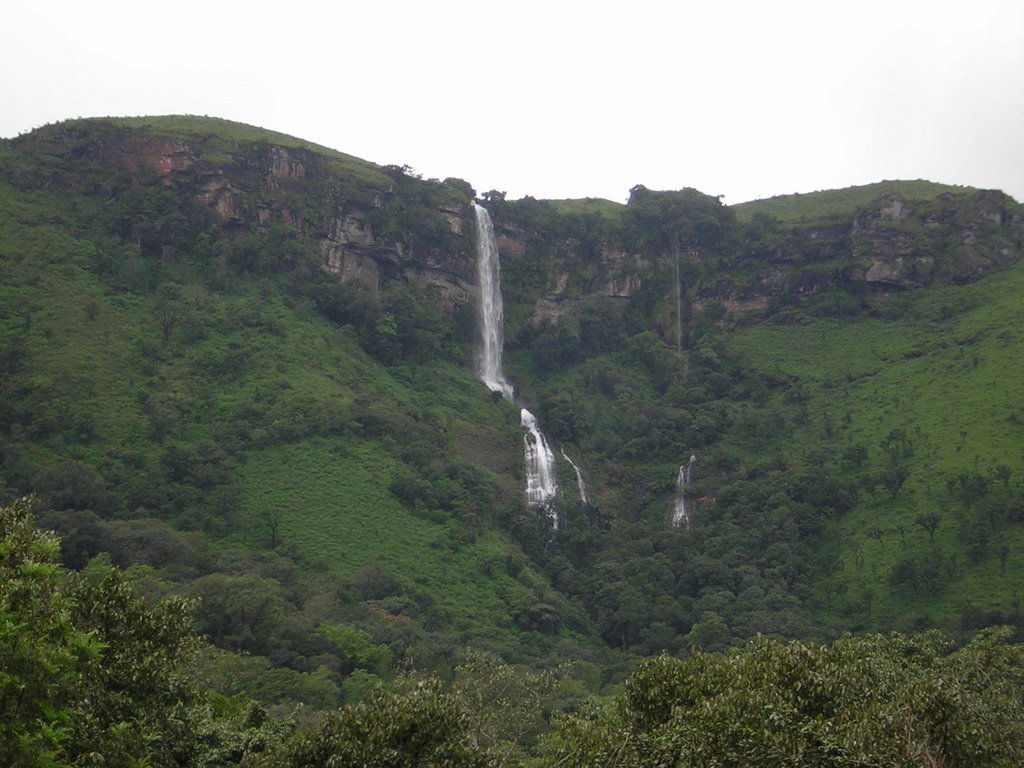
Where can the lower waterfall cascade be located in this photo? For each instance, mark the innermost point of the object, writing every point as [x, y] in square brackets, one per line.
[541, 485]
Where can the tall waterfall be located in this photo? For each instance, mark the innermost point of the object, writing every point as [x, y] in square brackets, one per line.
[487, 363]
[541, 484]
[684, 483]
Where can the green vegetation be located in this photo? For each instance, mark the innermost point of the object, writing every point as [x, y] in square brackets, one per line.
[302, 465]
[839, 203]
[220, 409]
[862, 701]
[925, 387]
[593, 205]
[90, 674]
[217, 138]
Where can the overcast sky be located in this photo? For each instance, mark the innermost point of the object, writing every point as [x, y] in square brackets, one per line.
[559, 99]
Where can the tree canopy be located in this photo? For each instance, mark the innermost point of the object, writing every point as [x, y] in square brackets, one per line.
[91, 675]
[869, 700]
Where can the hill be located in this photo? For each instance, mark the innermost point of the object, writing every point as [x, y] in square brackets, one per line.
[239, 363]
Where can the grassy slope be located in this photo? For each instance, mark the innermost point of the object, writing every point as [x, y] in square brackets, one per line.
[220, 137]
[589, 205]
[791, 209]
[340, 515]
[838, 203]
[47, 287]
[99, 353]
[949, 370]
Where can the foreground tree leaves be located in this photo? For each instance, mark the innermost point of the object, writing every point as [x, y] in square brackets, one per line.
[504, 705]
[863, 701]
[423, 726]
[137, 696]
[42, 652]
[90, 675]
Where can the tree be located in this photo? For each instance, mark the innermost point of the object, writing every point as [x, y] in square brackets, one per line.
[969, 487]
[88, 671]
[422, 726]
[868, 700]
[505, 705]
[72, 485]
[892, 479]
[855, 455]
[136, 699]
[657, 219]
[462, 185]
[42, 652]
[273, 516]
[929, 521]
[1002, 472]
[711, 633]
[243, 612]
[170, 308]
[1002, 552]
[897, 445]
[384, 342]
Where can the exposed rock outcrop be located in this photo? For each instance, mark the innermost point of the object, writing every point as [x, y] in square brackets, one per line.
[373, 225]
[160, 156]
[895, 243]
[360, 237]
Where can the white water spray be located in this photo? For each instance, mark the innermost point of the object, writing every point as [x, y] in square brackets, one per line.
[541, 483]
[487, 364]
[584, 496]
[684, 480]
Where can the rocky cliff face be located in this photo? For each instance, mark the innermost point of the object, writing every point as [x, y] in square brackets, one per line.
[902, 243]
[374, 225]
[369, 225]
[895, 243]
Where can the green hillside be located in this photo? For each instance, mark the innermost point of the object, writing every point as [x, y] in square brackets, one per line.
[836, 203]
[940, 372]
[239, 364]
[358, 474]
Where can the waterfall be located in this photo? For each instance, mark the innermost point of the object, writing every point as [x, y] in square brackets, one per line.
[541, 483]
[679, 300]
[584, 496]
[680, 515]
[684, 483]
[487, 364]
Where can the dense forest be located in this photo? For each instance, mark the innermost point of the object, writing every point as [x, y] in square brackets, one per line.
[288, 522]
[95, 676]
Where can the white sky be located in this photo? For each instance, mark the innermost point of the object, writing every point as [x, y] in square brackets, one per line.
[559, 99]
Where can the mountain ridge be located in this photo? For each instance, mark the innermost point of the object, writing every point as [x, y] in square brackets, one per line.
[209, 336]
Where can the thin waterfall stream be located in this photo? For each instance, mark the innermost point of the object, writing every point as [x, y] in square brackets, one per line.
[584, 496]
[684, 486]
